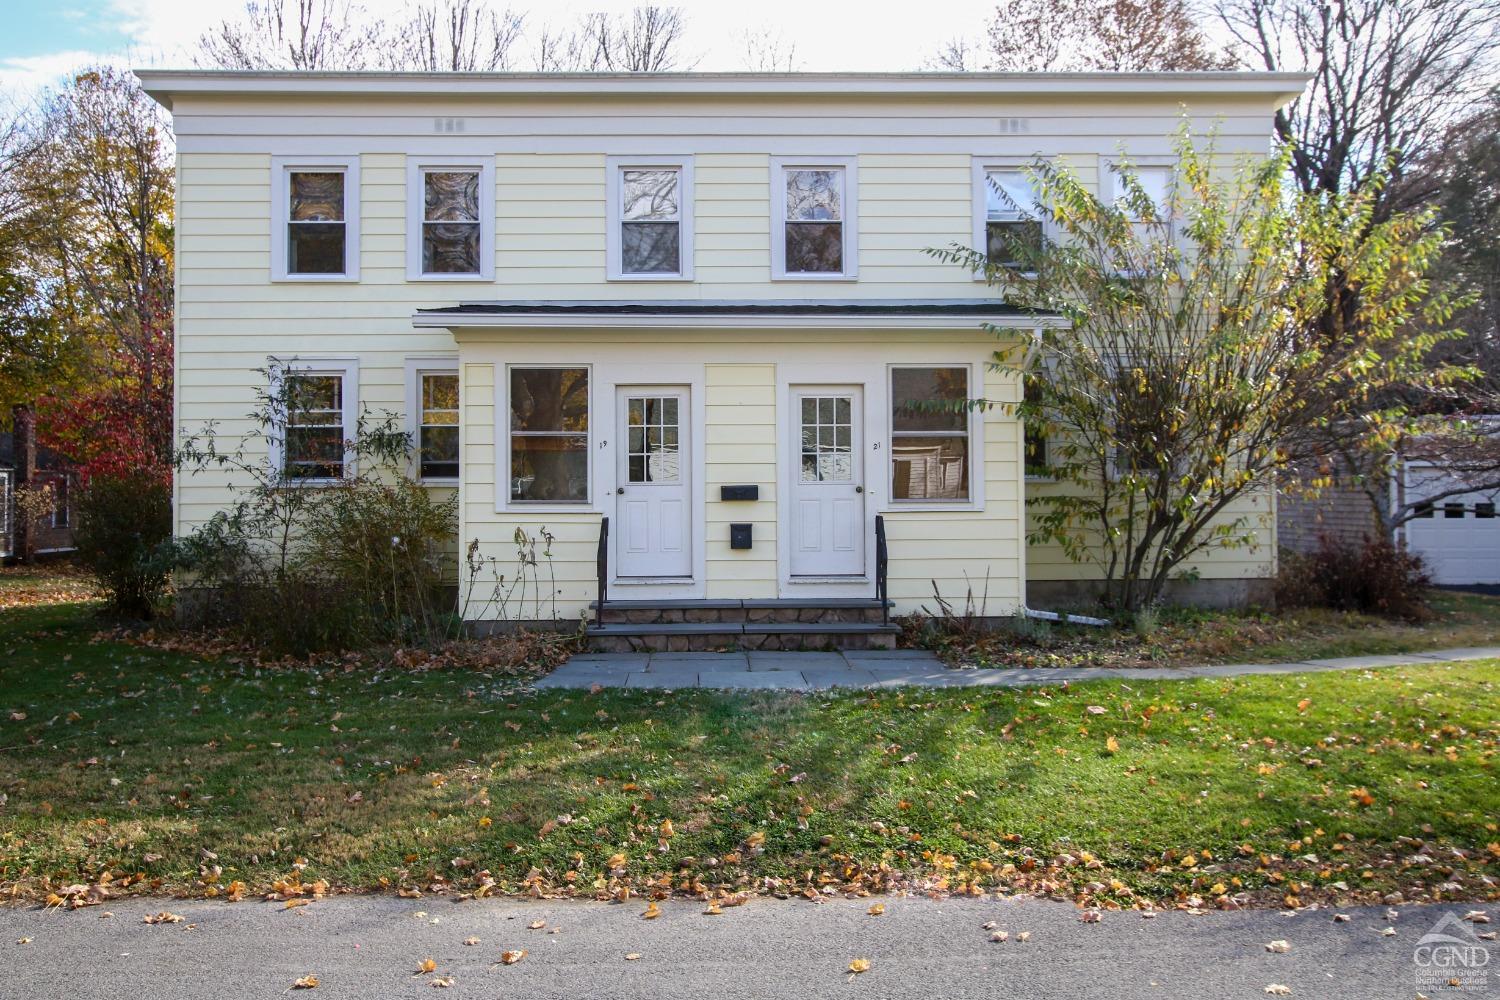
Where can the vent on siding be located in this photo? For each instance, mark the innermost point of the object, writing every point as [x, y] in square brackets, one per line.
[448, 125]
[1013, 126]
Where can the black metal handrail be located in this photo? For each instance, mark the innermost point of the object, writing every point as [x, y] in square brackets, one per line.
[882, 560]
[601, 565]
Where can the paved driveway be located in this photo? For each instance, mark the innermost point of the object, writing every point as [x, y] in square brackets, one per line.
[371, 946]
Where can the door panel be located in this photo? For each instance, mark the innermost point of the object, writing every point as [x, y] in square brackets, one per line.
[654, 484]
[827, 482]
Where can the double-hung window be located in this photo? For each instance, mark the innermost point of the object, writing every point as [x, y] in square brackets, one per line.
[317, 422]
[1008, 226]
[549, 435]
[930, 422]
[450, 218]
[62, 503]
[1155, 182]
[815, 219]
[316, 235]
[432, 405]
[650, 218]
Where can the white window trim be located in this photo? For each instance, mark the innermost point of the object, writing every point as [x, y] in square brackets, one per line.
[349, 369]
[281, 168]
[779, 166]
[983, 167]
[975, 499]
[503, 502]
[416, 367]
[416, 167]
[614, 166]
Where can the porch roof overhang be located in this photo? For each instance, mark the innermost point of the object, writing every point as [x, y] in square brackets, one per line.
[837, 314]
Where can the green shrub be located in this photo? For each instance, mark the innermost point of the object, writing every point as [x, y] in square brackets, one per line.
[299, 568]
[1374, 577]
[123, 525]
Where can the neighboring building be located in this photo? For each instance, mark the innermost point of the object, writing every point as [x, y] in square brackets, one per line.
[692, 305]
[51, 524]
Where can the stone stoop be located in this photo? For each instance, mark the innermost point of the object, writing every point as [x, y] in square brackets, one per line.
[692, 626]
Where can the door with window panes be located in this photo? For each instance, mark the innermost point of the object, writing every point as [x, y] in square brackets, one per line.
[827, 483]
[653, 524]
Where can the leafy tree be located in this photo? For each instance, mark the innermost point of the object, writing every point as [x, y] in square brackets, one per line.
[1188, 383]
[96, 180]
[1124, 36]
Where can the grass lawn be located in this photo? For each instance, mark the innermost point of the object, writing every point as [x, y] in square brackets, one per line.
[149, 770]
[1189, 636]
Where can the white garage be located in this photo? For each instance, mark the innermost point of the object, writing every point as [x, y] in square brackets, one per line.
[1457, 535]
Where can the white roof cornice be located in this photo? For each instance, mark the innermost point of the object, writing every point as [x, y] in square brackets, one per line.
[164, 85]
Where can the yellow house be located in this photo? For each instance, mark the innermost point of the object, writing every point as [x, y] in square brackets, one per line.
[671, 323]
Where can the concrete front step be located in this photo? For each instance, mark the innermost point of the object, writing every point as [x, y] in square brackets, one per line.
[801, 611]
[702, 636]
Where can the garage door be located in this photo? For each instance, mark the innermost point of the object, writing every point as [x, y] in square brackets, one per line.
[1458, 536]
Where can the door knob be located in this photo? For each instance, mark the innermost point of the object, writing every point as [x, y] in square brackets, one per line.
[620, 490]
[859, 489]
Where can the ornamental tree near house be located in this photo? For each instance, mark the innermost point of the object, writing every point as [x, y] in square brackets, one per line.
[1189, 381]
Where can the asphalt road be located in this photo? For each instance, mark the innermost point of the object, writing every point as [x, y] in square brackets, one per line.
[920, 948]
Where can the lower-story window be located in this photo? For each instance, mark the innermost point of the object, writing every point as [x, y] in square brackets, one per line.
[316, 426]
[930, 434]
[549, 435]
[437, 433]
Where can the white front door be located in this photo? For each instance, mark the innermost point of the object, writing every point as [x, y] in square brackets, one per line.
[827, 482]
[653, 525]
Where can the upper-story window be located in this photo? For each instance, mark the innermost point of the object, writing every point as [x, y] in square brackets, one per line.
[1155, 183]
[450, 218]
[316, 235]
[815, 218]
[650, 218]
[1008, 227]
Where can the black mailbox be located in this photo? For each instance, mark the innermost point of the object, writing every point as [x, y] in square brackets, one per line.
[739, 493]
[739, 536]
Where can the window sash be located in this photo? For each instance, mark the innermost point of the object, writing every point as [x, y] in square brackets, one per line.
[574, 459]
[430, 466]
[316, 223]
[928, 483]
[314, 419]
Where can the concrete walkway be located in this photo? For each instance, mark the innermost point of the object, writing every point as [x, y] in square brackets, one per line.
[787, 671]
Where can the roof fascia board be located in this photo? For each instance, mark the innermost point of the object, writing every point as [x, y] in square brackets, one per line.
[609, 321]
[166, 84]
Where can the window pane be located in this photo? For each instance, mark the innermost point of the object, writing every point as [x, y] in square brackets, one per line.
[551, 468]
[648, 195]
[314, 452]
[650, 248]
[310, 394]
[1009, 243]
[1036, 452]
[451, 196]
[439, 453]
[814, 247]
[440, 397]
[1485, 509]
[450, 248]
[1453, 510]
[930, 468]
[315, 248]
[814, 195]
[1008, 194]
[317, 197]
[549, 399]
[912, 388]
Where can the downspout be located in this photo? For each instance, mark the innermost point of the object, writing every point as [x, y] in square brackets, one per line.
[1032, 353]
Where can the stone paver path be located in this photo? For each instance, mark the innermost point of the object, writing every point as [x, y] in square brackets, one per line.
[881, 668]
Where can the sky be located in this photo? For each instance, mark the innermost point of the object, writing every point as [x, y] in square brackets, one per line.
[43, 40]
